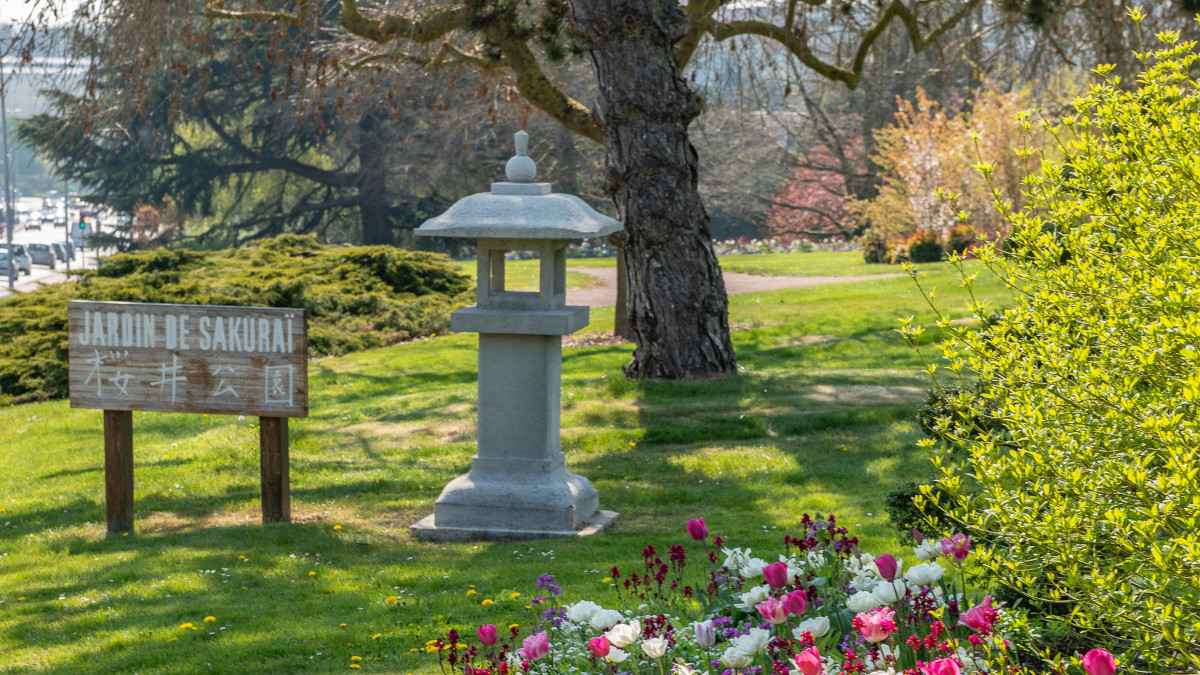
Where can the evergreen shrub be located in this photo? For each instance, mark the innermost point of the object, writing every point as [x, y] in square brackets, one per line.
[924, 246]
[357, 298]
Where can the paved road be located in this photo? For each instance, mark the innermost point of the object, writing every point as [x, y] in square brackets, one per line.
[605, 295]
[48, 233]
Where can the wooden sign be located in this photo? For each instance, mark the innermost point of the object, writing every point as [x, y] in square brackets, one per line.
[188, 358]
[126, 356]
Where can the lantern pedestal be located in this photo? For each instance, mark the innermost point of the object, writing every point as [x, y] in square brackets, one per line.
[518, 486]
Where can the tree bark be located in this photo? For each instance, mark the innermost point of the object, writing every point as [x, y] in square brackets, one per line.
[677, 307]
[372, 182]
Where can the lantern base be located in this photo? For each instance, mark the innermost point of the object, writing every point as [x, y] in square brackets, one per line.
[427, 530]
[515, 498]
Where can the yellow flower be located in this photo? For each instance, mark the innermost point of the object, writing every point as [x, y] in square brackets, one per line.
[210, 619]
[21, 599]
[241, 557]
[355, 665]
[356, 659]
[512, 626]
[515, 595]
[376, 636]
[172, 639]
[432, 649]
[187, 626]
[471, 592]
[487, 601]
[391, 600]
[311, 573]
[337, 527]
[606, 580]
[414, 650]
[430, 642]
[341, 625]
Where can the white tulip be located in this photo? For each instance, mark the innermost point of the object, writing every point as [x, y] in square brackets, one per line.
[890, 591]
[818, 626]
[862, 602]
[615, 655]
[928, 550]
[734, 659]
[604, 619]
[582, 611]
[624, 634]
[753, 568]
[734, 557]
[925, 574]
[751, 598]
[753, 642]
[654, 647]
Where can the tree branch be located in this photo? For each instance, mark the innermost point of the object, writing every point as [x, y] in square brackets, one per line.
[315, 174]
[423, 31]
[539, 90]
[796, 42]
[215, 10]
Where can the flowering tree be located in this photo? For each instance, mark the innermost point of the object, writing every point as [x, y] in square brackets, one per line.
[813, 202]
[930, 148]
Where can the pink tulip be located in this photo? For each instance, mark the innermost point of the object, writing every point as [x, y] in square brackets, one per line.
[772, 610]
[887, 566]
[958, 546]
[877, 624]
[1099, 662]
[979, 618]
[918, 536]
[947, 666]
[706, 635]
[776, 574]
[599, 647]
[487, 634]
[809, 662]
[697, 530]
[535, 646]
[795, 602]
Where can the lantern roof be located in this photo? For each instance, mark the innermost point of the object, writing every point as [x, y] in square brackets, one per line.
[520, 209]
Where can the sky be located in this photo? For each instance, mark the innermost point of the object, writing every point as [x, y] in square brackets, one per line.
[19, 10]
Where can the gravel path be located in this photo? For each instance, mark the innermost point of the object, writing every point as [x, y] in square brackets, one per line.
[605, 295]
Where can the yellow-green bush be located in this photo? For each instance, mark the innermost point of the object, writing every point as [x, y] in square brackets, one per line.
[357, 298]
[1093, 491]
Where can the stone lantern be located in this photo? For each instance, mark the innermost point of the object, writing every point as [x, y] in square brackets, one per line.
[518, 485]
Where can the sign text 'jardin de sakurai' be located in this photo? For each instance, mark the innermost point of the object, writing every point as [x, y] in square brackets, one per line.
[188, 358]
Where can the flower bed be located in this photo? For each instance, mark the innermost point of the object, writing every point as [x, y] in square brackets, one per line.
[822, 607]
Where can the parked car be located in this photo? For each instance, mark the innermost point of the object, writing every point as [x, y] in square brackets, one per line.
[6, 264]
[21, 256]
[60, 252]
[41, 254]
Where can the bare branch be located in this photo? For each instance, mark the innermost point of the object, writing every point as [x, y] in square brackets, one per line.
[796, 42]
[539, 90]
[423, 31]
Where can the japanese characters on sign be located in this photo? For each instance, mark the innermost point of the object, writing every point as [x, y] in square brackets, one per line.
[188, 358]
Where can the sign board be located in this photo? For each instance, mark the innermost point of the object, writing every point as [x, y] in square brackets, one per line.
[188, 358]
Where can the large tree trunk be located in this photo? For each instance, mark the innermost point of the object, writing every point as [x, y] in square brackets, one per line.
[677, 307]
[372, 182]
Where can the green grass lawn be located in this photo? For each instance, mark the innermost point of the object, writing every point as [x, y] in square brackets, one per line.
[820, 419]
[522, 274]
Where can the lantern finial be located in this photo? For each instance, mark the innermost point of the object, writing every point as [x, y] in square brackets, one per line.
[520, 168]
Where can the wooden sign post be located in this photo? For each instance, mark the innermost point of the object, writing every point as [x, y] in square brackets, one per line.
[127, 356]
